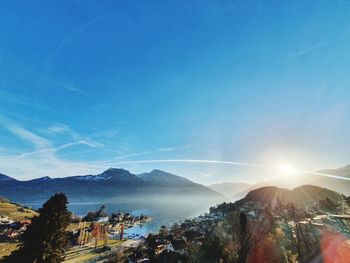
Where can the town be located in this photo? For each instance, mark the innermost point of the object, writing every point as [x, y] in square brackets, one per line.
[255, 231]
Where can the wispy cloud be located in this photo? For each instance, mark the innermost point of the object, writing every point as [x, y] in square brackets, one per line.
[37, 141]
[61, 128]
[162, 149]
[73, 88]
[326, 175]
[171, 149]
[306, 49]
[132, 155]
[45, 165]
[65, 41]
[19, 100]
[187, 161]
[166, 149]
[54, 149]
[42, 161]
[206, 175]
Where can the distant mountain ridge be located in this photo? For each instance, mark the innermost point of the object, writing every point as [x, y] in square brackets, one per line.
[5, 178]
[161, 177]
[112, 183]
[230, 190]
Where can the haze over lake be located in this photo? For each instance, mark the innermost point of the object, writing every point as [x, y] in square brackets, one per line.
[164, 211]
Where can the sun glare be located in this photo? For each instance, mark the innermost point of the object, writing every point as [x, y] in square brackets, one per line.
[286, 169]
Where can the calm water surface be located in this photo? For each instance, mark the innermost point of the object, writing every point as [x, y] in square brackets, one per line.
[162, 214]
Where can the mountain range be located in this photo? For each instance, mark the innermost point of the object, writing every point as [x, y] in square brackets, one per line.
[120, 184]
[230, 190]
[111, 184]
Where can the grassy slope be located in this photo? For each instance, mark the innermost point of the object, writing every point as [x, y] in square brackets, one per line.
[73, 256]
[16, 213]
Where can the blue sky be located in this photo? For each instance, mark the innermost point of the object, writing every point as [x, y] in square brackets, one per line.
[85, 85]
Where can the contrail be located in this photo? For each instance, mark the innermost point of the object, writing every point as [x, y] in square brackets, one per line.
[221, 162]
[326, 175]
[187, 161]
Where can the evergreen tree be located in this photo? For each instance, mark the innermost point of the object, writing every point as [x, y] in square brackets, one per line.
[244, 238]
[243, 223]
[212, 249]
[46, 238]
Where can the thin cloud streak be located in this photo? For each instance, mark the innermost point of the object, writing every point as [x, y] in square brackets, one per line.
[308, 49]
[65, 129]
[59, 128]
[22, 101]
[166, 149]
[55, 149]
[132, 155]
[73, 88]
[163, 149]
[326, 175]
[64, 41]
[42, 161]
[188, 161]
[37, 141]
[29, 168]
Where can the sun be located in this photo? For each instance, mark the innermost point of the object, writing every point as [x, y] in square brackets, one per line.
[286, 169]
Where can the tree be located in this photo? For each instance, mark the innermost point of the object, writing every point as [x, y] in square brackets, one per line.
[243, 223]
[46, 238]
[96, 232]
[213, 249]
[244, 238]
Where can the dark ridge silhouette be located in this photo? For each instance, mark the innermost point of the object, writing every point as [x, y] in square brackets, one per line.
[306, 194]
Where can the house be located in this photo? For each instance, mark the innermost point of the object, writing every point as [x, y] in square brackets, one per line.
[252, 214]
[144, 260]
[216, 215]
[159, 249]
[192, 235]
[11, 234]
[102, 219]
[169, 247]
[179, 246]
[4, 220]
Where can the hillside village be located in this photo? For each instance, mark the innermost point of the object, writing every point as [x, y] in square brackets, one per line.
[255, 231]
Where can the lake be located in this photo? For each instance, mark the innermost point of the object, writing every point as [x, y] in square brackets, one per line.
[162, 213]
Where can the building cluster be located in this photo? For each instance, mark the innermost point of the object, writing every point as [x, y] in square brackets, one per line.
[172, 242]
[127, 218]
[105, 227]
